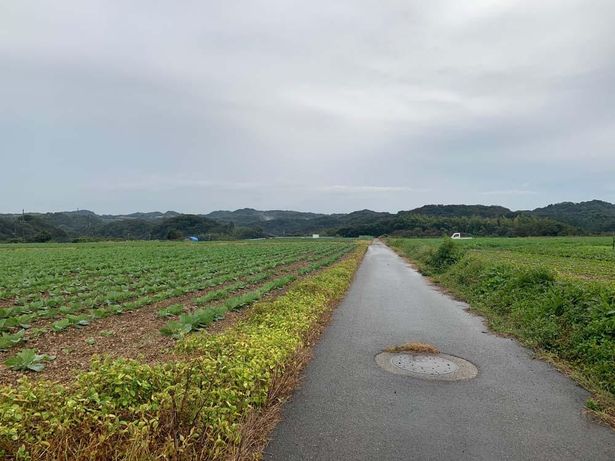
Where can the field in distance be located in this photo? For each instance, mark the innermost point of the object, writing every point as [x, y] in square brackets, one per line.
[65, 303]
[582, 258]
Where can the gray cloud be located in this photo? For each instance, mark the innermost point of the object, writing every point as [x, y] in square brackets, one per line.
[327, 106]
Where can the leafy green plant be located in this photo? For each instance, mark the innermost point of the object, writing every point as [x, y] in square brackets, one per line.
[177, 328]
[27, 359]
[593, 405]
[80, 320]
[61, 325]
[8, 340]
[34, 333]
[170, 311]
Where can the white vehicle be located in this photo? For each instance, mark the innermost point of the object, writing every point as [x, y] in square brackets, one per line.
[457, 236]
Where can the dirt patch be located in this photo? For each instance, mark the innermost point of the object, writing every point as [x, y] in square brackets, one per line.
[7, 302]
[132, 334]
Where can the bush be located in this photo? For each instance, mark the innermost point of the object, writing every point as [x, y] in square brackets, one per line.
[448, 253]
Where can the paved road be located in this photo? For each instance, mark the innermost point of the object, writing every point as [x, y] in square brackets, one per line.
[348, 408]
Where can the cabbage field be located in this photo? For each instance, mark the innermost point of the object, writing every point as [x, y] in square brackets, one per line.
[158, 350]
[61, 304]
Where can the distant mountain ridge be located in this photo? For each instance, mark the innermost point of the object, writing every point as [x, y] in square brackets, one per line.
[566, 218]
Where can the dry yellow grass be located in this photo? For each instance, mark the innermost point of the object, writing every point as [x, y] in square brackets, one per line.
[422, 348]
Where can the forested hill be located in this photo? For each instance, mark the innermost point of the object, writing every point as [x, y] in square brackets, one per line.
[593, 217]
[482, 211]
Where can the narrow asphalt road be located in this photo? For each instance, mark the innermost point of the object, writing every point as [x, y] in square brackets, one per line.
[348, 408]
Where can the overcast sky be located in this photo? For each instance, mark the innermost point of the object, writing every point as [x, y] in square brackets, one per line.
[331, 106]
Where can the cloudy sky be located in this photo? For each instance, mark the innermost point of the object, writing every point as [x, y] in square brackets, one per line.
[118, 106]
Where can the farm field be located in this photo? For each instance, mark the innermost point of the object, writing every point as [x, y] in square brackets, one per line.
[134, 299]
[581, 258]
[557, 295]
[143, 350]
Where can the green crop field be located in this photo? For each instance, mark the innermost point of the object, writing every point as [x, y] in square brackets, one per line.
[581, 258]
[49, 288]
[145, 350]
[555, 294]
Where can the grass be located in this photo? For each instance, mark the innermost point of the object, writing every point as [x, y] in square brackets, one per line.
[556, 295]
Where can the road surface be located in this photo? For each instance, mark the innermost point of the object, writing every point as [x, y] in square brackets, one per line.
[348, 408]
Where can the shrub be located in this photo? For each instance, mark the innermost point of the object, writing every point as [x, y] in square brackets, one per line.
[448, 253]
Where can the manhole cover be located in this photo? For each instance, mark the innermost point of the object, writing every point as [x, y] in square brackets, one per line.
[427, 366]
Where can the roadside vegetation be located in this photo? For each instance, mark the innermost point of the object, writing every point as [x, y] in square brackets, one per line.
[557, 295]
[202, 404]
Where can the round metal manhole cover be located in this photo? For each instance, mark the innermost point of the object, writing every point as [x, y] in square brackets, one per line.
[427, 366]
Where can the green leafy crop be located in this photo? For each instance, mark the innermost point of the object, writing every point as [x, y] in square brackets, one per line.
[27, 359]
[8, 340]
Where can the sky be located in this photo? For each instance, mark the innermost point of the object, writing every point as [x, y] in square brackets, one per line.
[322, 106]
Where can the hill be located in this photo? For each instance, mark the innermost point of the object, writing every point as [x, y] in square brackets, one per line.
[593, 217]
[482, 211]
[29, 228]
